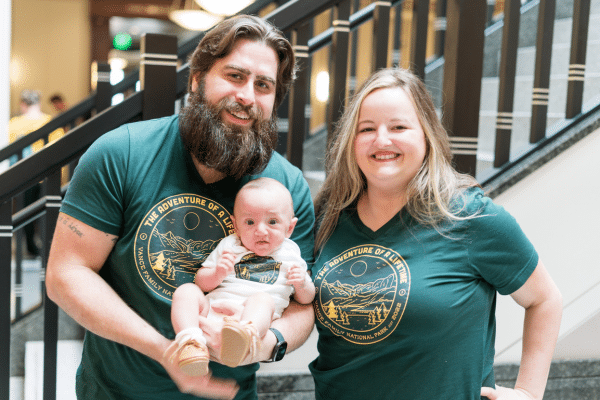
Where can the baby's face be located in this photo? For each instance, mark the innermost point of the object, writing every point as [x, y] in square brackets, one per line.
[262, 221]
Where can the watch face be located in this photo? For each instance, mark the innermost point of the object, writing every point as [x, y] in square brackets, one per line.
[281, 351]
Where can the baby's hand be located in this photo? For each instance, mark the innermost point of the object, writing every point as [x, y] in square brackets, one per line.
[296, 277]
[226, 264]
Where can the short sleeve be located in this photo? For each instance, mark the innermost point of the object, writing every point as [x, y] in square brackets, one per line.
[96, 191]
[498, 248]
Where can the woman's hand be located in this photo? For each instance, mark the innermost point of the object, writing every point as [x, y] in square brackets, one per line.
[503, 393]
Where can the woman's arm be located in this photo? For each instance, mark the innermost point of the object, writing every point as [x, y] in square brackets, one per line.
[543, 311]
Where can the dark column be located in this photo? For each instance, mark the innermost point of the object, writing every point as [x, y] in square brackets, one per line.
[508, 66]
[100, 36]
[541, 77]
[5, 250]
[103, 87]
[298, 124]
[440, 27]
[581, 20]
[462, 79]
[53, 200]
[397, 35]
[158, 75]
[338, 66]
[381, 34]
[418, 49]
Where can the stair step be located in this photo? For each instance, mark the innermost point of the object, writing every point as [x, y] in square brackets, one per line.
[16, 388]
[69, 356]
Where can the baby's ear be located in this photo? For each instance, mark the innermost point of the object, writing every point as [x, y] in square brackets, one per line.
[233, 221]
[293, 222]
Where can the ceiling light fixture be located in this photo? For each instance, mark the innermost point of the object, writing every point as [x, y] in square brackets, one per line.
[224, 7]
[192, 19]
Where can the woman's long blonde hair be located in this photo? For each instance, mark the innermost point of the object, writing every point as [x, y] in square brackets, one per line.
[430, 193]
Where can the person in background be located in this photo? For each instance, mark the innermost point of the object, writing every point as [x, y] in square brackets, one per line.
[150, 200]
[409, 257]
[31, 118]
[58, 103]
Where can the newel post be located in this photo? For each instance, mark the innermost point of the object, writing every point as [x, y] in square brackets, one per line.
[158, 75]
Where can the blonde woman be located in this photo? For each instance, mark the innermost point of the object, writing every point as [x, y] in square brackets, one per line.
[409, 257]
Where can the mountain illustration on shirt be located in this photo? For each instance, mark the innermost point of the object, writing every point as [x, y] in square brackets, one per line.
[179, 255]
[258, 269]
[363, 303]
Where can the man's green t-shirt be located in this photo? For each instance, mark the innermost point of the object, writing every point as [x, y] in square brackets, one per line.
[138, 182]
[407, 312]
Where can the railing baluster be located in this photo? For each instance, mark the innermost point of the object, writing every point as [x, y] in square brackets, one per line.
[19, 236]
[462, 79]
[418, 46]
[18, 286]
[579, 37]
[53, 200]
[103, 87]
[352, 60]
[508, 66]
[298, 126]
[381, 33]
[338, 66]
[491, 6]
[5, 270]
[397, 28]
[158, 75]
[541, 78]
[440, 27]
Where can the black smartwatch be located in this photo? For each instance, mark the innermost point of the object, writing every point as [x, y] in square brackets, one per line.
[280, 347]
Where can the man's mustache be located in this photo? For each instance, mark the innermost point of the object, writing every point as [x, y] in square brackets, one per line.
[234, 107]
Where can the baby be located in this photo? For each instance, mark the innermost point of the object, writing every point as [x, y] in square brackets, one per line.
[249, 278]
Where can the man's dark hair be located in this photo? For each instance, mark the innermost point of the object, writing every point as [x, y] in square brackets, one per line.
[219, 41]
[56, 98]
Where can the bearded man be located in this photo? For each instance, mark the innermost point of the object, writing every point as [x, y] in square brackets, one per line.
[150, 200]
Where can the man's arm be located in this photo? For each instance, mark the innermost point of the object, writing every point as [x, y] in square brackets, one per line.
[296, 324]
[77, 254]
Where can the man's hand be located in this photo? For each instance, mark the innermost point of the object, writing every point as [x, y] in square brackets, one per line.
[502, 393]
[204, 386]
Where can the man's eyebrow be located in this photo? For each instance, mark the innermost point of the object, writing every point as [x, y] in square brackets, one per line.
[248, 72]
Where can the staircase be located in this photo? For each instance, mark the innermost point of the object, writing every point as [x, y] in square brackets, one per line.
[524, 81]
[289, 381]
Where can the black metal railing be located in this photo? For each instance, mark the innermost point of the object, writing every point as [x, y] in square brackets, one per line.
[460, 40]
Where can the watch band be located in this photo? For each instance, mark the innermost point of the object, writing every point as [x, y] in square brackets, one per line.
[280, 347]
[277, 334]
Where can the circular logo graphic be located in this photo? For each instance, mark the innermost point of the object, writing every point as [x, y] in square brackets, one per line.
[175, 237]
[362, 293]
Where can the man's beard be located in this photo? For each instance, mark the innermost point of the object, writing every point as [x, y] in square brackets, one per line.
[233, 150]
